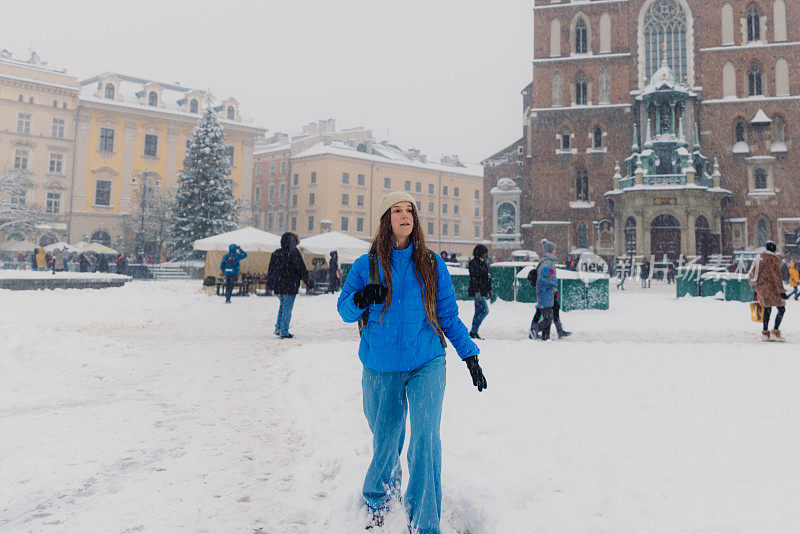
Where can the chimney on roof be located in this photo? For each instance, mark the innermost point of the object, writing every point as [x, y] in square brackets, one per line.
[448, 159]
[326, 139]
[413, 154]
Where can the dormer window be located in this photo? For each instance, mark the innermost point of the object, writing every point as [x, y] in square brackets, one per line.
[193, 106]
[231, 113]
[152, 99]
[109, 91]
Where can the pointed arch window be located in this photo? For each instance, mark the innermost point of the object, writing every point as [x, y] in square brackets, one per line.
[778, 141]
[605, 87]
[581, 33]
[582, 185]
[739, 131]
[754, 80]
[109, 94]
[580, 89]
[665, 23]
[763, 232]
[583, 236]
[557, 98]
[597, 138]
[753, 24]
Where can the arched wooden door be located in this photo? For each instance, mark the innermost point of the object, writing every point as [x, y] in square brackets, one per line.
[665, 237]
[702, 236]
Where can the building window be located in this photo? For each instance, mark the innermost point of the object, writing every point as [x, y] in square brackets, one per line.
[456, 192]
[456, 230]
[565, 137]
[597, 138]
[257, 194]
[444, 208]
[280, 220]
[345, 224]
[296, 179]
[477, 194]
[583, 236]
[430, 189]
[152, 99]
[359, 224]
[106, 140]
[311, 199]
[58, 128]
[580, 89]
[360, 200]
[444, 190]
[345, 178]
[20, 98]
[18, 199]
[753, 24]
[194, 107]
[56, 162]
[557, 95]
[24, 123]
[444, 229]
[761, 178]
[763, 232]
[605, 87]
[151, 145]
[294, 224]
[272, 168]
[102, 237]
[430, 207]
[387, 183]
[269, 221]
[258, 171]
[231, 113]
[283, 191]
[361, 180]
[407, 185]
[665, 22]
[582, 185]
[430, 228]
[21, 159]
[53, 203]
[311, 223]
[294, 201]
[477, 212]
[313, 177]
[581, 45]
[477, 232]
[455, 209]
[283, 167]
[345, 199]
[229, 152]
[418, 187]
[754, 80]
[102, 193]
[109, 91]
[271, 193]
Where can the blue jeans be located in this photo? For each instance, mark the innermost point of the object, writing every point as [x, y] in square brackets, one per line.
[284, 314]
[481, 311]
[387, 398]
[794, 292]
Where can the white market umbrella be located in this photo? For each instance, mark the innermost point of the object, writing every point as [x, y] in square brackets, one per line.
[348, 247]
[60, 245]
[97, 248]
[249, 239]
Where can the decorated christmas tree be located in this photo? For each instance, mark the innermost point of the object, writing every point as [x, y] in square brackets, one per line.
[204, 204]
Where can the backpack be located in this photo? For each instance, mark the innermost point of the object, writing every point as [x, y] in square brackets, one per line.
[533, 274]
[228, 265]
[374, 278]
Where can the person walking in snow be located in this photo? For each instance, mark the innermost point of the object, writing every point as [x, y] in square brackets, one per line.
[333, 272]
[411, 307]
[480, 287]
[286, 269]
[537, 316]
[229, 266]
[794, 280]
[644, 272]
[765, 278]
[546, 284]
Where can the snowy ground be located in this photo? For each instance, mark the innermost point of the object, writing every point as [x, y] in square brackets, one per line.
[155, 408]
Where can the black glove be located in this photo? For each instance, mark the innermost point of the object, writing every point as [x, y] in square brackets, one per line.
[784, 296]
[370, 294]
[475, 371]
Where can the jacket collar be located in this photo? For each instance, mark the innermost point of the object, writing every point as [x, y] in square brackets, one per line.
[402, 254]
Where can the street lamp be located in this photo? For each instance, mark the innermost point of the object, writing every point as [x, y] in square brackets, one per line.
[143, 185]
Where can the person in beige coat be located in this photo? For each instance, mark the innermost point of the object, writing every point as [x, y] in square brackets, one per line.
[765, 277]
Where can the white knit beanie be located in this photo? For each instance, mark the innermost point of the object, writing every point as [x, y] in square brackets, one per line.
[390, 199]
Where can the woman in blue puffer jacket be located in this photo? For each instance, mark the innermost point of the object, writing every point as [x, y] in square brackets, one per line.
[402, 352]
[546, 284]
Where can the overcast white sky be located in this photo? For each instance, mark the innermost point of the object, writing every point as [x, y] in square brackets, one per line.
[440, 75]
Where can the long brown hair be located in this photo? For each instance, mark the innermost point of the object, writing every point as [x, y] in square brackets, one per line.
[425, 266]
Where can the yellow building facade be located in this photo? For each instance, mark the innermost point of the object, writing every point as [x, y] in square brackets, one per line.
[131, 130]
[337, 186]
[38, 105]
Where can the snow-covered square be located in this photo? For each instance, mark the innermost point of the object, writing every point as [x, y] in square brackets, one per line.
[154, 407]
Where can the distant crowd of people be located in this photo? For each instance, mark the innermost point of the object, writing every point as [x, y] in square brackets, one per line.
[60, 260]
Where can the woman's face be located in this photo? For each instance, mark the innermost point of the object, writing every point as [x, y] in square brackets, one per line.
[402, 219]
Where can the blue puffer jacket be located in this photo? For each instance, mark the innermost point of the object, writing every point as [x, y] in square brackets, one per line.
[403, 340]
[229, 266]
[546, 284]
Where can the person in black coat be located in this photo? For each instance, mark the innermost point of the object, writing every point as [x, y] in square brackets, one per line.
[122, 264]
[480, 286]
[102, 264]
[85, 264]
[645, 274]
[333, 272]
[286, 269]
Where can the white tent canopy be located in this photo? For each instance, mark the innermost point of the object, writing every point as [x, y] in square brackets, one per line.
[98, 248]
[348, 247]
[249, 239]
[60, 245]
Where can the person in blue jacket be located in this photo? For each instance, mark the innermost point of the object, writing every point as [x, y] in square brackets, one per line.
[410, 310]
[230, 268]
[546, 284]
